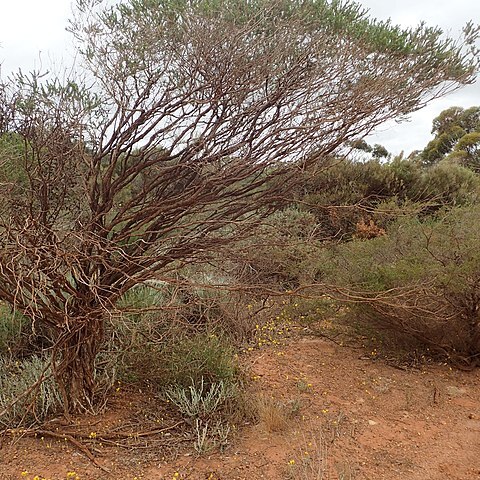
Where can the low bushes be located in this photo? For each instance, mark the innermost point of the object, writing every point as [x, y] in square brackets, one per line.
[166, 336]
[421, 280]
[349, 192]
[26, 399]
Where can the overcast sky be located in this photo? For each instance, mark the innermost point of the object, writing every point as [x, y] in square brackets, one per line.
[32, 34]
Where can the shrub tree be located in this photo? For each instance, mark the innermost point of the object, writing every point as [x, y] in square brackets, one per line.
[161, 151]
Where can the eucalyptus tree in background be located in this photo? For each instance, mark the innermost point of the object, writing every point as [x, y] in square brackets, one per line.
[457, 138]
[191, 121]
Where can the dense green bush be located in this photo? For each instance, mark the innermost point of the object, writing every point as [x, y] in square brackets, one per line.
[165, 335]
[445, 184]
[420, 280]
[16, 339]
[207, 358]
[343, 193]
[13, 327]
[347, 193]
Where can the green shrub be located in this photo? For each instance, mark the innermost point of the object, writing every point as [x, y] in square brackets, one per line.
[135, 334]
[421, 280]
[12, 330]
[342, 194]
[348, 192]
[446, 184]
[203, 358]
[175, 335]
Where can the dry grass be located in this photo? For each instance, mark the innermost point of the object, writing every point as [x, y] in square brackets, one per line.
[272, 414]
[310, 461]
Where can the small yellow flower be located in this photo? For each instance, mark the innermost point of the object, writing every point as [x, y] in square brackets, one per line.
[93, 435]
[291, 462]
[24, 473]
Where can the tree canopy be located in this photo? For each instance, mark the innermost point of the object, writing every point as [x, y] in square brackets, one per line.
[457, 137]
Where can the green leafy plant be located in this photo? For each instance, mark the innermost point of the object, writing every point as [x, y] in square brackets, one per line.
[199, 359]
[13, 326]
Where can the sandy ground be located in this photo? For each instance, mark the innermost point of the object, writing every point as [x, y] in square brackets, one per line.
[347, 416]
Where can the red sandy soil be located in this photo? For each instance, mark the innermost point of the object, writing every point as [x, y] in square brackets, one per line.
[351, 418]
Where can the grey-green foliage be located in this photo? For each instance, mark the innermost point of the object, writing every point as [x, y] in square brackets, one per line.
[332, 205]
[143, 296]
[156, 39]
[140, 306]
[16, 377]
[210, 435]
[344, 17]
[165, 335]
[280, 252]
[350, 191]
[200, 400]
[205, 404]
[136, 333]
[421, 279]
[445, 184]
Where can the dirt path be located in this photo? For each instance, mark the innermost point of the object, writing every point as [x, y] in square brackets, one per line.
[347, 417]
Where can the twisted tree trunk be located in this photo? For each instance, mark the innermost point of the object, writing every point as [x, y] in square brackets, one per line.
[74, 357]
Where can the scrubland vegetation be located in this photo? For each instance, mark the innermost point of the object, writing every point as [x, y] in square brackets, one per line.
[379, 249]
[161, 225]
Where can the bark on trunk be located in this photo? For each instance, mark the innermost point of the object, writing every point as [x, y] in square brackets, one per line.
[74, 360]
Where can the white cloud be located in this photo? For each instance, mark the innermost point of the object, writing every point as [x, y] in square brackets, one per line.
[32, 35]
[451, 17]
